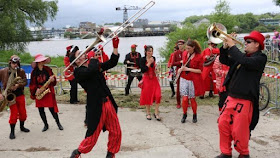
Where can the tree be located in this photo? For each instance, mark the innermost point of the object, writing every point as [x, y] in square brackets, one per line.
[15, 15]
[222, 15]
[247, 22]
[277, 2]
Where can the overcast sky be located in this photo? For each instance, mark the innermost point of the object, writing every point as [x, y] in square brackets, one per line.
[71, 12]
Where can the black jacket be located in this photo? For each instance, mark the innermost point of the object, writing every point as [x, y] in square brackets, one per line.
[132, 57]
[92, 80]
[143, 66]
[243, 78]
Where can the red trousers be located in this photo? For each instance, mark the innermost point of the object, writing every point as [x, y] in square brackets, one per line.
[185, 104]
[234, 123]
[110, 119]
[18, 110]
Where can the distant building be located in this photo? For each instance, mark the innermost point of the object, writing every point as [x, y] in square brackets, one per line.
[270, 21]
[41, 32]
[202, 21]
[87, 27]
[140, 23]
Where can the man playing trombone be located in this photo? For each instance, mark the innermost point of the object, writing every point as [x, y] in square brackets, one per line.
[8, 77]
[240, 113]
[101, 109]
[132, 60]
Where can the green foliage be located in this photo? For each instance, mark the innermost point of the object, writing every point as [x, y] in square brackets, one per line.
[24, 57]
[247, 22]
[58, 61]
[14, 16]
[277, 2]
[188, 31]
[222, 15]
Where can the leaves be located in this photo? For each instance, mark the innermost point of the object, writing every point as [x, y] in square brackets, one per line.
[16, 14]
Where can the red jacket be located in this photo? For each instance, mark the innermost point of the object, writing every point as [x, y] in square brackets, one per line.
[68, 75]
[196, 63]
[177, 57]
[170, 60]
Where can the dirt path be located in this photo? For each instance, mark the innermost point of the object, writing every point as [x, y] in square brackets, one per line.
[141, 138]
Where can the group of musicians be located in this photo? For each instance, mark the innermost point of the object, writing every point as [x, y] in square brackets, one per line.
[227, 71]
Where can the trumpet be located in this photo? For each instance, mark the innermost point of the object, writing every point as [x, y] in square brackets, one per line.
[121, 28]
[216, 33]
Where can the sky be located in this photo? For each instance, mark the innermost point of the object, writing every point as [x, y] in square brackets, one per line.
[71, 12]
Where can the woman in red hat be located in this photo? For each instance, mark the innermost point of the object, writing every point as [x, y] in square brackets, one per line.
[70, 77]
[240, 113]
[151, 91]
[39, 76]
[190, 78]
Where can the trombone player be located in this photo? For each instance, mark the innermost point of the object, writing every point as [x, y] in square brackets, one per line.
[240, 113]
[8, 77]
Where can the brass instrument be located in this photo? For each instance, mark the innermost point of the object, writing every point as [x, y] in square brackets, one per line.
[183, 65]
[113, 34]
[9, 98]
[216, 33]
[44, 90]
[210, 60]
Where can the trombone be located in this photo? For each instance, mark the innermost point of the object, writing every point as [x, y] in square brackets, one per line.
[216, 33]
[121, 28]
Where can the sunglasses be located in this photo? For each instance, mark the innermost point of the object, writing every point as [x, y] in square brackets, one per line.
[249, 41]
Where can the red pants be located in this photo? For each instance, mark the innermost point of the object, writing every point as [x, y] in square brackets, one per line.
[18, 110]
[234, 125]
[185, 104]
[108, 118]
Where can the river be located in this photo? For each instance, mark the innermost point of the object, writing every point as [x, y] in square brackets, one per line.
[58, 47]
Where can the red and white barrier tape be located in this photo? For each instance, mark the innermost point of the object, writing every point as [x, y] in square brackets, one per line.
[277, 76]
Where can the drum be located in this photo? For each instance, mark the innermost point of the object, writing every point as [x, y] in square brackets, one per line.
[135, 72]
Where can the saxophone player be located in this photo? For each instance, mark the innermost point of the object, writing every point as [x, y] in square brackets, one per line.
[17, 109]
[40, 75]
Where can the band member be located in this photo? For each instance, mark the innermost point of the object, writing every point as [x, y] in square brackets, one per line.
[150, 92]
[70, 77]
[208, 75]
[41, 75]
[221, 71]
[171, 73]
[101, 107]
[102, 56]
[17, 109]
[240, 113]
[190, 78]
[132, 60]
[177, 61]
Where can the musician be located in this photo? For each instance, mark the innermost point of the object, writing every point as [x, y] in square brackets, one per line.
[171, 73]
[177, 61]
[102, 56]
[132, 61]
[39, 76]
[208, 76]
[70, 77]
[221, 71]
[101, 107]
[190, 78]
[151, 91]
[240, 113]
[17, 109]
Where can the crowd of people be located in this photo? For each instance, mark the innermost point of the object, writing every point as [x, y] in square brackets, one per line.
[226, 71]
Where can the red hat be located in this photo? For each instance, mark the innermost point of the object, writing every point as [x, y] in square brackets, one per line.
[133, 46]
[69, 47]
[180, 41]
[256, 36]
[40, 58]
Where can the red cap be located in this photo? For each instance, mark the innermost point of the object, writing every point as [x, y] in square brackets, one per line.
[69, 47]
[133, 46]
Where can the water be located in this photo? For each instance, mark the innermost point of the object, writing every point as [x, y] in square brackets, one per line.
[58, 47]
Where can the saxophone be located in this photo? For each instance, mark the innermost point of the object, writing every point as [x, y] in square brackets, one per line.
[44, 90]
[9, 98]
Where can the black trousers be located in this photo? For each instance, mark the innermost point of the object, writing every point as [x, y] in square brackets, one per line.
[222, 98]
[73, 91]
[130, 79]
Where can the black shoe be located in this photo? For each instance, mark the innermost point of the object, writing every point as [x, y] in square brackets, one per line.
[172, 95]
[194, 118]
[223, 156]
[148, 118]
[22, 128]
[110, 155]
[60, 126]
[75, 154]
[201, 97]
[157, 117]
[244, 156]
[12, 135]
[211, 94]
[73, 102]
[184, 118]
[46, 127]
